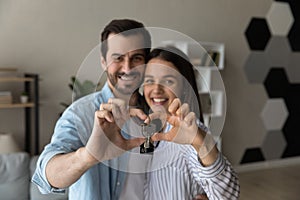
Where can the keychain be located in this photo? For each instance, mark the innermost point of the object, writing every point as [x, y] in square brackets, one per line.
[148, 130]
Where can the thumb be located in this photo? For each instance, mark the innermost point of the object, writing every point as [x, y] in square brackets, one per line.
[135, 142]
[173, 120]
[160, 136]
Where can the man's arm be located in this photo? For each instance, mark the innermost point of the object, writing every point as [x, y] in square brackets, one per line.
[64, 169]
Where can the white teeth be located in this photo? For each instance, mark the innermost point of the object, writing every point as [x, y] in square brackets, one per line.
[158, 100]
[126, 78]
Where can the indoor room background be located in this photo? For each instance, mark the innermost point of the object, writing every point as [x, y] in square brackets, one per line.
[261, 74]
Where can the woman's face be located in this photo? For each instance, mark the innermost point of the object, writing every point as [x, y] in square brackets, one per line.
[162, 83]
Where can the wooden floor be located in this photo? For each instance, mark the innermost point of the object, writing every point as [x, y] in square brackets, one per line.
[279, 183]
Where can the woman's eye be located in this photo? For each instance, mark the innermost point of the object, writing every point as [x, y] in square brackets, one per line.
[148, 81]
[169, 82]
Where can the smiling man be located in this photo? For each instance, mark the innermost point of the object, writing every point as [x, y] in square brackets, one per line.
[82, 142]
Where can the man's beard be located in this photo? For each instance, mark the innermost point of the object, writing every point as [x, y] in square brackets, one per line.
[134, 81]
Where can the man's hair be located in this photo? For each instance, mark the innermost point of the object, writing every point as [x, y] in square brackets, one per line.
[125, 27]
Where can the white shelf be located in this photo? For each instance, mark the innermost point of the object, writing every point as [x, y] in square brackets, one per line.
[202, 54]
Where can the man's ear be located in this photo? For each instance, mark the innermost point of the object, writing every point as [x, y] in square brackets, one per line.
[103, 63]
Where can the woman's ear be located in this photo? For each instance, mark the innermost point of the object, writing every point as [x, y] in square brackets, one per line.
[141, 90]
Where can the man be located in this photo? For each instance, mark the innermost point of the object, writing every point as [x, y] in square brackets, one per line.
[81, 139]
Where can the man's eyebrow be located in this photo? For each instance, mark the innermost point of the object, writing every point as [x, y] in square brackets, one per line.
[116, 55]
[138, 54]
[119, 54]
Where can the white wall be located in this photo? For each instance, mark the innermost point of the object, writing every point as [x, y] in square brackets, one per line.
[52, 37]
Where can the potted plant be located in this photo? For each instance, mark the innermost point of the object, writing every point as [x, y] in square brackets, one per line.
[24, 97]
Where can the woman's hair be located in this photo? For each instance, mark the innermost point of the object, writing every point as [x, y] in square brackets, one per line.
[185, 68]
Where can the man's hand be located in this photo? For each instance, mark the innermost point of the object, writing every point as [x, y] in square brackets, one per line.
[106, 141]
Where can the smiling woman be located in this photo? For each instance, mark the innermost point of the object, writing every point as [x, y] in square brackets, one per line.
[189, 161]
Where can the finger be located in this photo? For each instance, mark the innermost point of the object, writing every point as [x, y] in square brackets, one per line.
[117, 113]
[161, 136]
[190, 119]
[164, 136]
[135, 112]
[174, 106]
[132, 143]
[120, 104]
[104, 114]
[106, 106]
[183, 110]
[173, 120]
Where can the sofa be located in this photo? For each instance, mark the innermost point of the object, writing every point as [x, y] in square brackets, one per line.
[16, 170]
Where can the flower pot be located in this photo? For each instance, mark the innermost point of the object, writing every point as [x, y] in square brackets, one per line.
[24, 99]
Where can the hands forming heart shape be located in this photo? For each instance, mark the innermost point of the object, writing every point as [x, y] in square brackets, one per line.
[107, 142]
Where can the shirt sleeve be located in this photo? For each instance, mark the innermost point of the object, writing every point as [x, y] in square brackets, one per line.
[218, 180]
[71, 132]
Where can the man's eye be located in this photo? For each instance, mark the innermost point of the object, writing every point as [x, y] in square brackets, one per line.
[138, 58]
[117, 58]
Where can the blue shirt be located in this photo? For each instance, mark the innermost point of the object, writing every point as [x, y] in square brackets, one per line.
[72, 131]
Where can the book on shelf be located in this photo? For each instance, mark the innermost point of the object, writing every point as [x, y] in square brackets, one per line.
[9, 71]
[206, 103]
[211, 58]
[5, 97]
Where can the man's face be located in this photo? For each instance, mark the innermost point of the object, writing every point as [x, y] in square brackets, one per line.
[124, 63]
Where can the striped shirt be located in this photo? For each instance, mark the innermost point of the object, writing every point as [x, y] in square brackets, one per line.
[174, 172]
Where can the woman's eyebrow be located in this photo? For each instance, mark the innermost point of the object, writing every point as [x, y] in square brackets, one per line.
[148, 76]
[166, 76]
[169, 76]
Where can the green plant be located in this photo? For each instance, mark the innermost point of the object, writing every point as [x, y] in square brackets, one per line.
[79, 89]
[24, 93]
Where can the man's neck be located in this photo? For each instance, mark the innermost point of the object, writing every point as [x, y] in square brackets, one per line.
[130, 99]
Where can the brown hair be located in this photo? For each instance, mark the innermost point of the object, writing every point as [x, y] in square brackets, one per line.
[123, 26]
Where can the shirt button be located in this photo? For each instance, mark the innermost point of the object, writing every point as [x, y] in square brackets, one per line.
[118, 183]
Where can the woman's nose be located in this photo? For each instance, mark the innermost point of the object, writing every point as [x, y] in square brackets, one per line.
[158, 87]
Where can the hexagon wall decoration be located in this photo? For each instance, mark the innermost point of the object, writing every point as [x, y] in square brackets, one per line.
[280, 18]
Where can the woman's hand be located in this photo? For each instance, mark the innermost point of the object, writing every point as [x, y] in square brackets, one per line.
[186, 131]
[184, 127]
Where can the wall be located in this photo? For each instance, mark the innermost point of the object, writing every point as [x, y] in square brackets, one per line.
[53, 37]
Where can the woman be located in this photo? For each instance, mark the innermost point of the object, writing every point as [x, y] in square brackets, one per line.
[183, 164]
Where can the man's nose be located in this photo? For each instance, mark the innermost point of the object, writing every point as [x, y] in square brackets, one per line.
[127, 65]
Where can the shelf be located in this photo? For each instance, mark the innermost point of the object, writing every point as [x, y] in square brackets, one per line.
[16, 79]
[30, 84]
[212, 103]
[17, 105]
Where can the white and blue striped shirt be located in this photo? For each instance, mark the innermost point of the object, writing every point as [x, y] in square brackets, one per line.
[174, 172]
